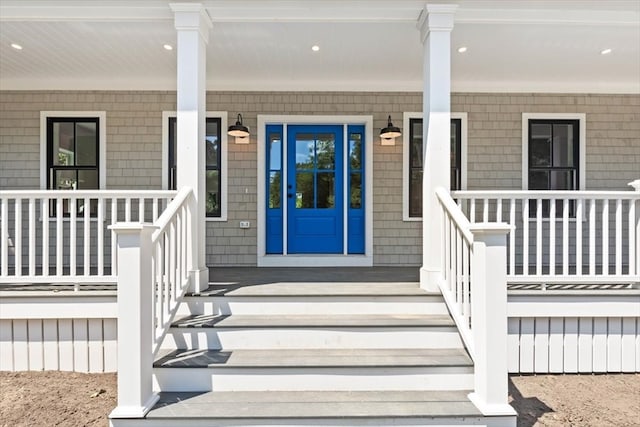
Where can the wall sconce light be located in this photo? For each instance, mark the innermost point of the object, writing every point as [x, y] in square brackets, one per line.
[389, 134]
[239, 131]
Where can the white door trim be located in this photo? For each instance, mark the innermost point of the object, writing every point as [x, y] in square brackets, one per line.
[314, 260]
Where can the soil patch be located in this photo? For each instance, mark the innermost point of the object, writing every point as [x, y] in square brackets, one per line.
[51, 398]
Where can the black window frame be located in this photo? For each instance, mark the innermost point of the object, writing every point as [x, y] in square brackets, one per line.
[53, 169]
[575, 169]
[415, 207]
[172, 161]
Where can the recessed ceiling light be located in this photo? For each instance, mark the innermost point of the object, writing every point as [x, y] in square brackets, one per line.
[16, 46]
[168, 47]
[315, 48]
[605, 51]
[462, 49]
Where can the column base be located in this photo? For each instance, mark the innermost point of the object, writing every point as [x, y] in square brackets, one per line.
[491, 409]
[134, 411]
[429, 280]
[200, 281]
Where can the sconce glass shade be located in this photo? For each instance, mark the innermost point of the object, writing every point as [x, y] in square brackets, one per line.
[238, 130]
[390, 131]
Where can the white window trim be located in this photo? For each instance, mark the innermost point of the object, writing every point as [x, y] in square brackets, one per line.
[102, 149]
[222, 115]
[405, 158]
[297, 260]
[582, 120]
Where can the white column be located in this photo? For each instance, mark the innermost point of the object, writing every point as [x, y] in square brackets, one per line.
[135, 316]
[192, 24]
[489, 318]
[435, 24]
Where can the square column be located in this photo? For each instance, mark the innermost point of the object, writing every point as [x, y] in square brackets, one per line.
[192, 25]
[435, 24]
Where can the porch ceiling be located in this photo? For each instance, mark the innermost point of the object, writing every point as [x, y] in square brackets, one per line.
[374, 45]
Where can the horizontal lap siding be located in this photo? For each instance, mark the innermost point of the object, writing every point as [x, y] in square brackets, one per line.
[574, 345]
[80, 345]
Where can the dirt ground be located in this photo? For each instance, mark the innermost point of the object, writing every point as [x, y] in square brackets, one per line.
[37, 399]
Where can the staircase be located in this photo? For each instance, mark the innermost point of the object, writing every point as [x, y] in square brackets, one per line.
[321, 354]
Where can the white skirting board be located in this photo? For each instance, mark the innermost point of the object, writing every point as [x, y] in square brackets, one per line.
[80, 345]
[574, 344]
[535, 344]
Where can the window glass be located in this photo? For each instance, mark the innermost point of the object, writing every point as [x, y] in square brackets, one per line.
[213, 153]
[416, 162]
[553, 154]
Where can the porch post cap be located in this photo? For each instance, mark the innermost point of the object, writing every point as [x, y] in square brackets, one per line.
[490, 228]
[436, 17]
[132, 227]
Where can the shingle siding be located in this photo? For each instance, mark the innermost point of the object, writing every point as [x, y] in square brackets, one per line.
[134, 149]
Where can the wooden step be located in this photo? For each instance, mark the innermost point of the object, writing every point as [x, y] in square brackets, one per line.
[334, 408]
[335, 331]
[305, 358]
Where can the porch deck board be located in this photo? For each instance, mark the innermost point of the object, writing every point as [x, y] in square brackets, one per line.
[325, 358]
[314, 321]
[314, 404]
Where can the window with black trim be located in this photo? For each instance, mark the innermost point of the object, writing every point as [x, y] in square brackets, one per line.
[213, 141]
[73, 155]
[416, 164]
[554, 153]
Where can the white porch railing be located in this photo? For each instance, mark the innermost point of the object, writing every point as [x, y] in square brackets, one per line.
[474, 287]
[564, 236]
[156, 264]
[61, 236]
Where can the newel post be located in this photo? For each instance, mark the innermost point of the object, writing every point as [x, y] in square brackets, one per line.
[135, 320]
[489, 318]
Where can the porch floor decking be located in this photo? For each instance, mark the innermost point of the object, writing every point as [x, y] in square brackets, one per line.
[309, 281]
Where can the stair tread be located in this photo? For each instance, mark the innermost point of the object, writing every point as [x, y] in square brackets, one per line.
[313, 404]
[300, 321]
[317, 289]
[323, 358]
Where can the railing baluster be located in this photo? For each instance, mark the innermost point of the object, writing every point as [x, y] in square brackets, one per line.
[485, 210]
[525, 237]
[552, 236]
[141, 209]
[100, 230]
[618, 237]
[512, 237]
[539, 237]
[466, 308]
[114, 219]
[4, 236]
[472, 210]
[44, 211]
[18, 237]
[59, 235]
[87, 236]
[605, 237]
[592, 237]
[72, 235]
[155, 209]
[565, 237]
[32, 236]
[459, 290]
[632, 238]
[127, 209]
[579, 217]
[447, 252]
[172, 261]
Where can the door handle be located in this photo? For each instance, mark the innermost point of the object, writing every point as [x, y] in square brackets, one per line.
[289, 195]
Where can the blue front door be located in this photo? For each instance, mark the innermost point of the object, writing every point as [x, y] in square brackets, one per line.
[315, 195]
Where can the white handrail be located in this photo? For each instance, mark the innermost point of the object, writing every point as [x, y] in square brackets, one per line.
[154, 274]
[169, 258]
[474, 288]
